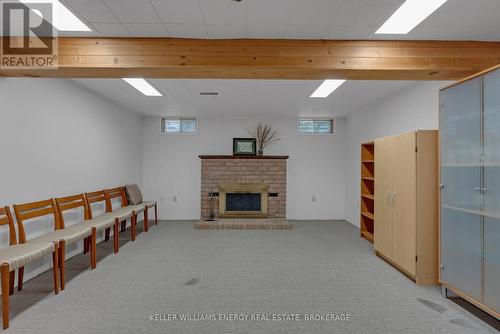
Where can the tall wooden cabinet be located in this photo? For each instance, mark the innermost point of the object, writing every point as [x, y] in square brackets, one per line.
[406, 204]
[470, 190]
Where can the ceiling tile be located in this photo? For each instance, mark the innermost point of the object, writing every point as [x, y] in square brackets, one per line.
[365, 12]
[265, 30]
[186, 30]
[347, 32]
[111, 29]
[304, 31]
[226, 30]
[265, 12]
[178, 11]
[146, 29]
[223, 12]
[91, 10]
[314, 12]
[133, 11]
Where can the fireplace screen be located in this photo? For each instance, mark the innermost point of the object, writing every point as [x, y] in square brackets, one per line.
[243, 202]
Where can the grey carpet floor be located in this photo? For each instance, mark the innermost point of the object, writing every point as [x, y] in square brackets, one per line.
[316, 268]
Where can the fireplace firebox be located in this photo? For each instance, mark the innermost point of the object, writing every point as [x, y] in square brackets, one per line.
[244, 200]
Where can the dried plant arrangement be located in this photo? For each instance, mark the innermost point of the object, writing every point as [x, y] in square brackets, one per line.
[264, 136]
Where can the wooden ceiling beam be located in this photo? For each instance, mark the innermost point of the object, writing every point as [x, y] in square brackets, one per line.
[266, 59]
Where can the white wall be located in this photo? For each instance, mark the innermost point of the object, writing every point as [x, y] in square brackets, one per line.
[316, 166]
[60, 139]
[413, 108]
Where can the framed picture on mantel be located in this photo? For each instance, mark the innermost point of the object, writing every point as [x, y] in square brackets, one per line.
[244, 146]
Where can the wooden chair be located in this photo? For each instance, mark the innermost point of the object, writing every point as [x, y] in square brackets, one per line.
[62, 236]
[16, 256]
[73, 202]
[134, 195]
[124, 212]
[105, 221]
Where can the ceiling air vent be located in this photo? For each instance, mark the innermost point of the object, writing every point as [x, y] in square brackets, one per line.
[209, 93]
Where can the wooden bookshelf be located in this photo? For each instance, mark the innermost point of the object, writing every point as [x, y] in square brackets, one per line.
[367, 202]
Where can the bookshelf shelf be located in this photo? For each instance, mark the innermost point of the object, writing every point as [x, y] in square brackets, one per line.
[367, 202]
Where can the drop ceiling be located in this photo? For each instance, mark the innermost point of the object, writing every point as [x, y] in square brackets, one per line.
[310, 19]
[244, 98]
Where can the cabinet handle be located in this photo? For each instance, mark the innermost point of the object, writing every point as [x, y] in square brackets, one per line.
[388, 199]
[485, 190]
[394, 199]
[478, 189]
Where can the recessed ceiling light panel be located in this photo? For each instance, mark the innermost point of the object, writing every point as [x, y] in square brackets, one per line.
[409, 15]
[327, 87]
[143, 86]
[63, 19]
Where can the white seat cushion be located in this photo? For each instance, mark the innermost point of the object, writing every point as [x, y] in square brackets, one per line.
[17, 256]
[101, 222]
[137, 208]
[150, 204]
[70, 234]
[122, 213]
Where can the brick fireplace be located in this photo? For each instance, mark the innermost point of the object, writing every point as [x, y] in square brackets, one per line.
[243, 173]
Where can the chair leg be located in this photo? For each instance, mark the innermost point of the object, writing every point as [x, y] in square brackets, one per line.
[55, 269]
[106, 234]
[146, 222]
[5, 276]
[92, 245]
[86, 245]
[156, 214]
[133, 222]
[115, 235]
[62, 258]
[20, 278]
[12, 279]
[123, 226]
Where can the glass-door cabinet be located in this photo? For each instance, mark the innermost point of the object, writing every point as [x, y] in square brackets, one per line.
[470, 190]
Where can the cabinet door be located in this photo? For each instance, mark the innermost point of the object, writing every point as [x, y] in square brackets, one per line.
[404, 202]
[492, 190]
[461, 198]
[383, 187]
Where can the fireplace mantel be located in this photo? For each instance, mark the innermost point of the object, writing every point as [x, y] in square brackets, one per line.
[203, 157]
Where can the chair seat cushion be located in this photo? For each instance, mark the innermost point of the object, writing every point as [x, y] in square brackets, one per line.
[17, 256]
[101, 222]
[150, 204]
[122, 213]
[70, 234]
[140, 207]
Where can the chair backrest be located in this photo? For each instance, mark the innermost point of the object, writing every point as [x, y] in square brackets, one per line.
[95, 197]
[34, 210]
[6, 218]
[118, 192]
[68, 203]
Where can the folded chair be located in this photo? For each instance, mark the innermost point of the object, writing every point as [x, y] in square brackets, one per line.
[61, 235]
[16, 256]
[134, 198]
[102, 222]
[71, 203]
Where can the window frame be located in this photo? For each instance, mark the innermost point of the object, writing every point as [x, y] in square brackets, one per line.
[333, 121]
[180, 118]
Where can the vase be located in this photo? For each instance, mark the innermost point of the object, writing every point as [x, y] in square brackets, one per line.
[260, 152]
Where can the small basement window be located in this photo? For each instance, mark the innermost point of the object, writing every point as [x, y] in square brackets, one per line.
[179, 125]
[316, 126]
